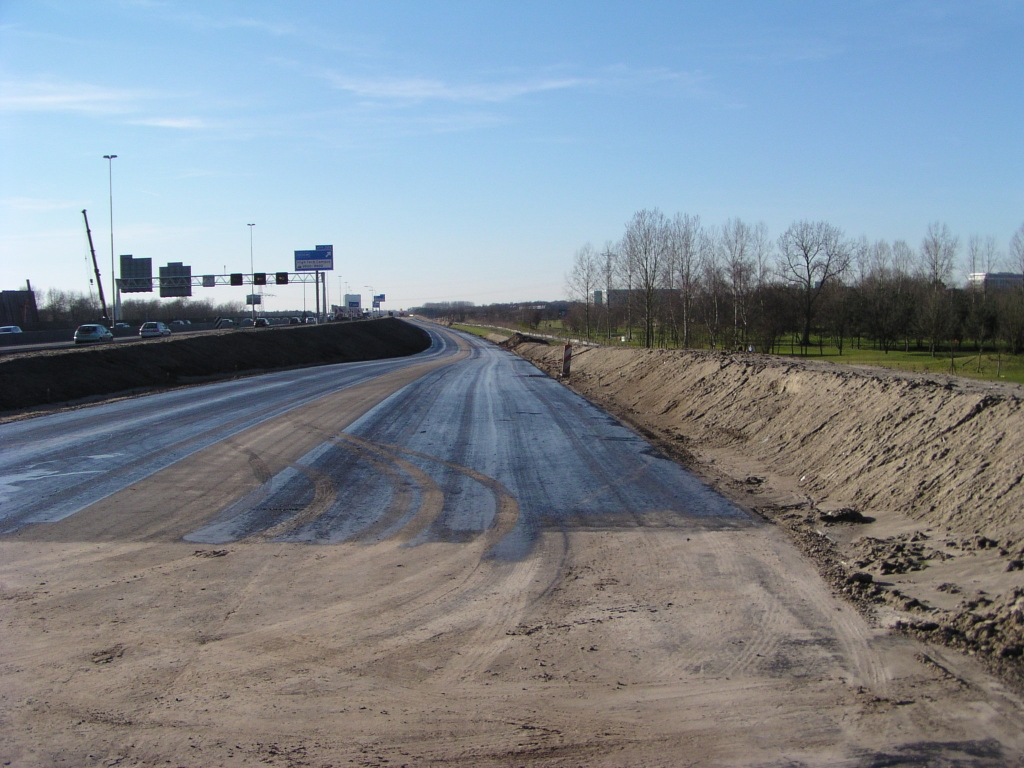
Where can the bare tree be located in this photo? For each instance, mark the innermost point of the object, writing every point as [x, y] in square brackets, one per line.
[583, 280]
[736, 244]
[609, 256]
[1017, 251]
[644, 249]
[938, 254]
[684, 242]
[938, 257]
[812, 255]
[713, 286]
[761, 247]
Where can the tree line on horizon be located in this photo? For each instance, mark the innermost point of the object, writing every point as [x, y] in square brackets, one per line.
[61, 307]
[675, 281]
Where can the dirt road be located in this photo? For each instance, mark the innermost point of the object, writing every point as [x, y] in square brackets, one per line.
[490, 619]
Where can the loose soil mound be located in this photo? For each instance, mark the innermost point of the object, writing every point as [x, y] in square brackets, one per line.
[949, 453]
[906, 489]
[70, 374]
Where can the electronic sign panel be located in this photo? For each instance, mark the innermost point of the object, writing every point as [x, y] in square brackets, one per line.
[136, 274]
[175, 280]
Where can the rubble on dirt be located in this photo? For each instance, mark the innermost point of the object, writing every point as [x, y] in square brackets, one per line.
[900, 554]
[843, 515]
[992, 628]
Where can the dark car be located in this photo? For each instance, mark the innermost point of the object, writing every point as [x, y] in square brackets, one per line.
[92, 333]
[261, 322]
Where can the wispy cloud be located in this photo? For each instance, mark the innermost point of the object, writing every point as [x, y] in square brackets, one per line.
[46, 96]
[497, 90]
[419, 89]
[130, 106]
[171, 122]
[206, 23]
[37, 205]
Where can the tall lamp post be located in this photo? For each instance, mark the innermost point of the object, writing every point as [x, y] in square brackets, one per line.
[252, 276]
[113, 275]
[372, 294]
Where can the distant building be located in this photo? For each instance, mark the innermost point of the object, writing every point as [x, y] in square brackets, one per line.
[995, 281]
[619, 297]
[18, 308]
[598, 298]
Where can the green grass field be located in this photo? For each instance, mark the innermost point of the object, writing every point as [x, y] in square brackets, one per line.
[966, 363]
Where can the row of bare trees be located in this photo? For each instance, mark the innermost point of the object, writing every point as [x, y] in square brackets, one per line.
[73, 307]
[677, 281]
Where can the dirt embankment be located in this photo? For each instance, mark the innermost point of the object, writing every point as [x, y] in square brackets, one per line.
[40, 378]
[907, 490]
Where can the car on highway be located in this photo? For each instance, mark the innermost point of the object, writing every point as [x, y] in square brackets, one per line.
[261, 322]
[181, 324]
[310, 321]
[92, 333]
[9, 329]
[153, 329]
[294, 321]
[121, 325]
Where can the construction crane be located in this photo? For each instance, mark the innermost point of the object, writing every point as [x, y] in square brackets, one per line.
[96, 267]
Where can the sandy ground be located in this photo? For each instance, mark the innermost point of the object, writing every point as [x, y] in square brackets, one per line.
[933, 465]
[626, 644]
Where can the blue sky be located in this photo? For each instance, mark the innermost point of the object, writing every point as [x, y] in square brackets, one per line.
[464, 150]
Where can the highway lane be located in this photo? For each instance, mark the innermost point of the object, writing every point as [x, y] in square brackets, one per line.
[56, 465]
[489, 436]
[485, 445]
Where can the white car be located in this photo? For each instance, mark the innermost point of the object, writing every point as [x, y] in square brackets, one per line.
[9, 329]
[92, 333]
[153, 329]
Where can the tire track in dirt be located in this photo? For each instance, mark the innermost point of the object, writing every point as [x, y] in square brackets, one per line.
[432, 497]
[324, 495]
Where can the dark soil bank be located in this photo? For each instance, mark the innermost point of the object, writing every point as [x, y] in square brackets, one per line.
[70, 374]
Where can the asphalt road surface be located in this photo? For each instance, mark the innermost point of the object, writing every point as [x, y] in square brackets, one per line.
[448, 559]
[487, 445]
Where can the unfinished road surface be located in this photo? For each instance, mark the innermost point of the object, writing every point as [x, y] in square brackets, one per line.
[443, 559]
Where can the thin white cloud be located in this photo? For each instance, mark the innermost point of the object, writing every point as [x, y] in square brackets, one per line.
[45, 96]
[205, 23]
[418, 89]
[194, 173]
[170, 122]
[37, 205]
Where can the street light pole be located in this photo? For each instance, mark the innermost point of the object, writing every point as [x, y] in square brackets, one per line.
[113, 275]
[252, 276]
[372, 294]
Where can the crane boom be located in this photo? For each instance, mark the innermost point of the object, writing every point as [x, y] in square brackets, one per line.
[95, 266]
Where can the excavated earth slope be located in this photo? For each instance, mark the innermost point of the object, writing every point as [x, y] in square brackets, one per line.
[41, 378]
[906, 489]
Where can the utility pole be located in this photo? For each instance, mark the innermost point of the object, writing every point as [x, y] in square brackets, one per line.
[252, 277]
[113, 273]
